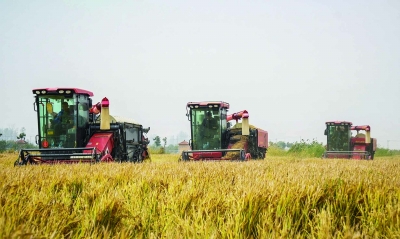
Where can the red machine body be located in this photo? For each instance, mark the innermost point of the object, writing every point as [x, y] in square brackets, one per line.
[104, 145]
[262, 138]
[207, 155]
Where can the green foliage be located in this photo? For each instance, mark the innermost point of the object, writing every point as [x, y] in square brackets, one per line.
[155, 150]
[11, 131]
[170, 149]
[386, 152]
[274, 150]
[289, 145]
[21, 136]
[9, 145]
[157, 141]
[3, 146]
[165, 141]
[305, 148]
[279, 144]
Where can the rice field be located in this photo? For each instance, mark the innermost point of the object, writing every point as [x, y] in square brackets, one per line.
[279, 197]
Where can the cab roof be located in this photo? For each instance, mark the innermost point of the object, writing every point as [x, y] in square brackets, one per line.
[219, 104]
[57, 89]
[338, 122]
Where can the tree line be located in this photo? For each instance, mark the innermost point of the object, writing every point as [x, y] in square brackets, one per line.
[160, 146]
[13, 145]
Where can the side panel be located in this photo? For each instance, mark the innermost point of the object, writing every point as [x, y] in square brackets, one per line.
[262, 138]
[359, 148]
[102, 142]
[207, 155]
[374, 144]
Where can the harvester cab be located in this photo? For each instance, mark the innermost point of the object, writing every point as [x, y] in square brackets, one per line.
[342, 144]
[70, 130]
[213, 138]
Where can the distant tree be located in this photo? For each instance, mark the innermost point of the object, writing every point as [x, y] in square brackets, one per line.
[157, 141]
[165, 141]
[271, 143]
[281, 144]
[9, 132]
[21, 136]
[172, 147]
[3, 145]
[289, 145]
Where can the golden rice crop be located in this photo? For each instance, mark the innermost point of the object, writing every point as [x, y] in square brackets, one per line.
[272, 198]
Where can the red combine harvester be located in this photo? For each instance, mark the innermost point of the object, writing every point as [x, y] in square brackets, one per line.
[213, 138]
[341, 143]
[72, 130]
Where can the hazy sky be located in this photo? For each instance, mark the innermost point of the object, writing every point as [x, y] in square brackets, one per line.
[292, 64]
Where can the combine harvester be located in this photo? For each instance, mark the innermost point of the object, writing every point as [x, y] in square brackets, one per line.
[341, 143]
[213, 138]
[72, 130]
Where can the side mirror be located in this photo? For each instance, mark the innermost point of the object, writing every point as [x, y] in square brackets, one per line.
[326, 132]
[146, 130]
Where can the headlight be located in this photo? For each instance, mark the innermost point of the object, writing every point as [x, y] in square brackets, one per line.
[37, 92]
[61, 91]
[68, 91]
[43, 92]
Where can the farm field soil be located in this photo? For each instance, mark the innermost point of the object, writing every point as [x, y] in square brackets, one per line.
[279, 197]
